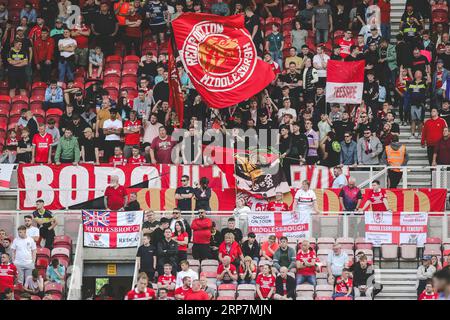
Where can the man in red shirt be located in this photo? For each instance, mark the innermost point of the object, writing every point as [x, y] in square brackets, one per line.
[8, 273]
[201, 236]
[132, 131]
[80, 33]
[132, 37]
[226, 272]
[161, 147]
[278, 204]
[136, 157]
[141, 292]
[118, 158]
[428, 293]
[42, 146]
[115, 195]
[196, 292]
[265, 284]
[185, 289]
[306, 264]
[432, 132]
[167, 281]
[344, 285]
[345, 43]
[376, 197]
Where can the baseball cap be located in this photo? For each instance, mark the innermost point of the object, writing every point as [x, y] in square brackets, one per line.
[440, 61]
[373, 28]
[58, 20]
[426, 258]
[20, 29]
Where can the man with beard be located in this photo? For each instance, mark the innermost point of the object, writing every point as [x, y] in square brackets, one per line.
[340, 127]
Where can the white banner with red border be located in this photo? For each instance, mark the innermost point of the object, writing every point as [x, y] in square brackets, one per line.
[6, 171]
[396, 228]
[291, 224]
[345, 81]
[112, 229]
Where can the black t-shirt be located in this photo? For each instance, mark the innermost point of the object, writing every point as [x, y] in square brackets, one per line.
[250, 24]
[89, 148]
[341, 127]
[133, 206]
[184, 204]
[147, 255]
[161, 91]
[333, 148]
[148, 69]
[104, 23]
[17, 56]
[26, 156]
[157, 236]
[419, 63]
[445, 114]
[148, 224]
[446, 59]
[237, 233]
[46, 215]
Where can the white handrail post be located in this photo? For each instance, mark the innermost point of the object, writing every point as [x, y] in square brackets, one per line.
[405, 177]
[345, 224]
[445, 234]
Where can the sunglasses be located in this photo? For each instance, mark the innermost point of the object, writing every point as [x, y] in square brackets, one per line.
[184, 180]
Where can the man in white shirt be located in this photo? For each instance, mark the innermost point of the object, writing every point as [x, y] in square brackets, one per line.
[340, 180]
[320, 61]
[23, 254]
[185, 272]
[287, 110]
[151, 131]
[336, 262]
[66, 47]
[32, 231]
[111, 129]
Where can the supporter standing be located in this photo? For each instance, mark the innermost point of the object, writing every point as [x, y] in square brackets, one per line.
[132, 131]
[104, 27]
[112, 128]
[23, 254]
[432, 133]
[441, 155]
[18, 59]
[181, 237]
[32, 231]
[201, 227]
[278, 204]
[305, 200]
[115, 197]
[66, 64]
[184, 195]
[369, 149]
[350, 196]
[161, 147]
[43, 50]
[395, 155]
[167, 251]
[46, 222]
[184, 290]
[68, 149]
[376, 197]
[146, 257]
[322, 21]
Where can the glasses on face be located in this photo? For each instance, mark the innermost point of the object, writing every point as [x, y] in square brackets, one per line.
[346, 136]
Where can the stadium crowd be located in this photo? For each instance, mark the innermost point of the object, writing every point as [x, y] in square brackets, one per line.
[93, 88]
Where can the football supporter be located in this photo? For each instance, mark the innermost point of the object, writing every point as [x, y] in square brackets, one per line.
[350, 196]
[163, 294]
[167, 281]
[306, 262]
[32, 231]
[46, 223]
[118, 159]
[432, 132]
[250, 247]
[363, 272]
[185, 272]
[150, 222]
[425, 272]
[305, 200]
[345, 43]
[185, 289]
[211, 291]
[265, 284]
[226, 272]
[112, 128]
[42, 145]
[115, 195]
[376, 198]
[344, 285]
[337, 261]
[441, 154]
[141, 292]
[428, 293]
[56, 272]
[23, 254]
[161, 148]
[136, 157]
[132, 132]
[133, 203]
[202, 194]
[268, 248]
[184, 194]
[167, 250]
[34, 284]
[196, 293]
[285, 287]
[284, 256]
[278, 204]
[231, 228]
[201, 235]
[8, 273]
[181, 237]
[68, 150]
[248, 271]
[146, 257]
[230, 248]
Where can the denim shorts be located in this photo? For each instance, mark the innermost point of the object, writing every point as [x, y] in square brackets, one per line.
[416, 113]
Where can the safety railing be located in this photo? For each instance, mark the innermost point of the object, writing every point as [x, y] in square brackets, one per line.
[76, 277]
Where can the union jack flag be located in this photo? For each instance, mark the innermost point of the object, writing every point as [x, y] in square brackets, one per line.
[96, 218]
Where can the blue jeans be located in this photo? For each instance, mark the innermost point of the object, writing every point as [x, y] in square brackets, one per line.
[341, 295]
[302, 279]
[277, 56]
[321, 36]
[386, 31]
[247, 281]
[65, 69]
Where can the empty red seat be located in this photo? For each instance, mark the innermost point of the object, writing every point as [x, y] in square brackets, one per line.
[3, 123]
[131, 58]
[4, 110]
[63, 242]
[53, 288]
[129, 78]
[54, 112]
[43, 253]
[60, 252]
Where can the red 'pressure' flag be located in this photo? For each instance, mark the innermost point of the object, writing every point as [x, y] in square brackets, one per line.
[345, 81]
[220, 58]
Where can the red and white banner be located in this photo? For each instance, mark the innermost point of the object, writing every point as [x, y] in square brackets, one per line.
[6, 171]
[293, 225]
[397, 228]
[64, 186]
[220, 58]
[345, 81]
[112, 229]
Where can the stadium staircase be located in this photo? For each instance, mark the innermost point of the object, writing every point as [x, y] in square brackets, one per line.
[398, 284]
[397, 9]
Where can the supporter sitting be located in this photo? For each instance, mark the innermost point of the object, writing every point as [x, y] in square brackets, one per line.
[265, 284]
[363, 272]
[344, 285]
[231, 228]
[68, 150]
[185, 271]
[205, 287]
[250, 247]
[247, 271]
[268, 248]
[182, 291]
[230, 248]
[56, 272]
[226, 272]
[141, 292]
[8, 273]
[306, 264]
[10, 150]
[167, 281]
[118, 159]
[34, 284]
[95, 60]
[196, 293]
[54, 97]
[425, 272]
[167, 251]
[284, 256]
[285, 287]
[336, 262]
[428, 293]
[163, 294]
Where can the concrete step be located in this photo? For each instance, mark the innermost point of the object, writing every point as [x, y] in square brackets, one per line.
[394, 298]
[403, 271]
[399, 283]
[399, 295]
[395, 288]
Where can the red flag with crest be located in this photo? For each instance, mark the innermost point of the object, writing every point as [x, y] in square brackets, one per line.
[176, 99]
[220, 58]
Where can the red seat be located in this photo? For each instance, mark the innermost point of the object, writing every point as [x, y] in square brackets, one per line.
[129, 78]
[128, 85]
[343, 298]
[54, 111]
[111, 78]
[41, 263]
[3, 123]
[19, 99]
[130, 69]
[5, 98]
[34, 297]
[53, 288]
[63, 242]
[131, 58]
[43, 253]
[114, 58]
[4, 110]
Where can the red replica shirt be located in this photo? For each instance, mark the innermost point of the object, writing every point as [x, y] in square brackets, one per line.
[425, 296]
[226, 277]
[183, 292]
[432, 131]
[199, 295]
[343, 286]
[118, 160]
[168, 280]
[309, 257]
[376, 198]
[181, 237]
[139, 160]
[148, 294]
[401, 86]
[345, 47]
[266, 283]
[132, 139]
[8, 272]
[82, 41]
[115, 197]
[42, 147]
[234, 251]
[277, 206]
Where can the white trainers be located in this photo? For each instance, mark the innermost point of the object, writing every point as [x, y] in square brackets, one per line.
[411, 137]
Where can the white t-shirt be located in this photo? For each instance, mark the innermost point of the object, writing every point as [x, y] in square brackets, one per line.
[305, 200]
[32, 232]
[24, 248]
[320, 60]
[151, 132]
[66, 42]
[109, 124]
[180, 275]
[340, 181]
[283, 111]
